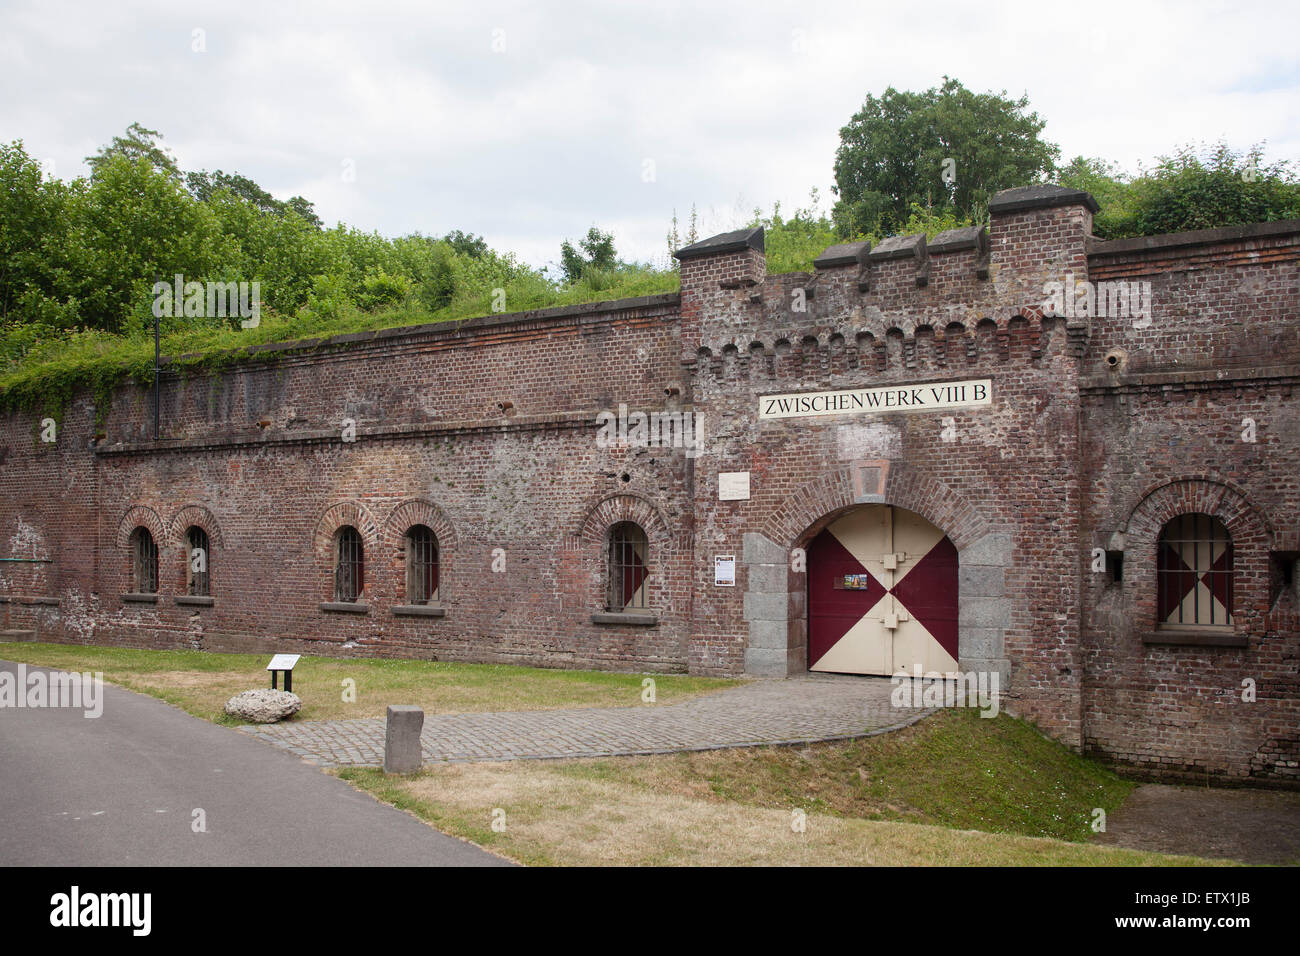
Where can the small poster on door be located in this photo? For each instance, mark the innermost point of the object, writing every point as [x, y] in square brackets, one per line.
[724, 570]
[855, 582]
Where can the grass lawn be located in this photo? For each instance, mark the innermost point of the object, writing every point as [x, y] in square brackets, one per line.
[200, 682]
[954, 789]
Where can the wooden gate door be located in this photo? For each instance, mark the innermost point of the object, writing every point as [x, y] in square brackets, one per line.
[882, 594]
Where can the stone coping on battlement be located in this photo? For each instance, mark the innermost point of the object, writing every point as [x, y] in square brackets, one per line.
[738, 240]
[1190, 378]
[1201, 237]
[1019, 199]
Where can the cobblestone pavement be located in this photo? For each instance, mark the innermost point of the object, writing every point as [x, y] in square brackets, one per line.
[797, 710]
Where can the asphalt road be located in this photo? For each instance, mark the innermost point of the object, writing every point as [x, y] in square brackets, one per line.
[121, 790]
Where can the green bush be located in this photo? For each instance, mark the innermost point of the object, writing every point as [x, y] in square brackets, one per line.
[1196, 188]
[381, 290]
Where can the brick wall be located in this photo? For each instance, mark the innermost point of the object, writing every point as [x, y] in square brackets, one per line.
[905, 314]
[1101, 428]
[466, 428]
[1163, 425]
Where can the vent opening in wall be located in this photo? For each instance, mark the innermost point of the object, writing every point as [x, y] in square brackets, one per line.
[1282, 576]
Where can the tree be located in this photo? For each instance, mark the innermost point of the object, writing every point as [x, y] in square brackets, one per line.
[204, 185]
[467, 244]
[138, 143]
[599, 249]
[946, 149]
[305, 209]
[32, 221]
[133, 226]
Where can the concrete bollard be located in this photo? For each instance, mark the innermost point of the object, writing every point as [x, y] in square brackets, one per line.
[402, 739]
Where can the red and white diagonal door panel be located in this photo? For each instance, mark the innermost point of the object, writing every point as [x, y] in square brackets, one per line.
[882, 594]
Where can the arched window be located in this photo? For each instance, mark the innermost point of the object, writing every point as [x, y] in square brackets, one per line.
[627, 567]
[144, 562]
[421, 566]
[198, 558]
[349, 564]
[1194, 573]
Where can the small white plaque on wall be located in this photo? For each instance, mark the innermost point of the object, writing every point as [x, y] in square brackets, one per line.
[733, 486]
[724, 570]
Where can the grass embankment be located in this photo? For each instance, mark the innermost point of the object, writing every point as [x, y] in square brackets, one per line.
[51, 373]
[200, 682]
[955, 789]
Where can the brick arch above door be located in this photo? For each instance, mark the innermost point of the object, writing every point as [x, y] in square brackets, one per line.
[776, 594]
[875, 482]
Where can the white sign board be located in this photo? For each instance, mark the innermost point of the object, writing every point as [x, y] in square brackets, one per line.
[889, 398]
[733, 486]
[724, 570]
[283, 662]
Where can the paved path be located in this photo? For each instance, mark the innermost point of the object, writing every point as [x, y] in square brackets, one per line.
[798, 710]
[1253, 826]
[121, 790]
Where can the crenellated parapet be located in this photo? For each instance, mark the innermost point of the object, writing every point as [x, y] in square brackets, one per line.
[798, 353]
[908, 301]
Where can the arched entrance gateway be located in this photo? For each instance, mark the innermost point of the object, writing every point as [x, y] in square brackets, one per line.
[882, 594]
[947, 589]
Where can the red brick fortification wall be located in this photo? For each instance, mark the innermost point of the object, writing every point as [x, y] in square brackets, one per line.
[484, 431]
[1171, 403]
[1002, 484]
[1102, 427]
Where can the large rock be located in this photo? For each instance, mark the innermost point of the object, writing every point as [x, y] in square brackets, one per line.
[263, 706]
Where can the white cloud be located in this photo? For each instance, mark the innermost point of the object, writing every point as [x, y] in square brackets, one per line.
[737, 105]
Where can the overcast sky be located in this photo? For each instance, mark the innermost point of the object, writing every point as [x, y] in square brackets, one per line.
[528, 122]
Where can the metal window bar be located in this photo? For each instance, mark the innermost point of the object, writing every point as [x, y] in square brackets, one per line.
[349, 574]
[421, 566]
[1209, 564]
[145, 561]
[1195, 539]
[197, 580]
[627, 567]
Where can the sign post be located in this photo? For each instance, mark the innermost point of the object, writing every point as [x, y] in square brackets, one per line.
[285, 663]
